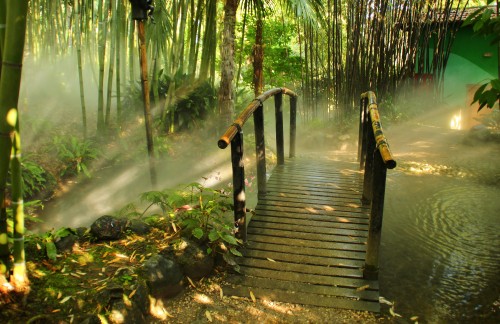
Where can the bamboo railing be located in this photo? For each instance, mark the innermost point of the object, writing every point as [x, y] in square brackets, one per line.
[234, 137]
[375, 158]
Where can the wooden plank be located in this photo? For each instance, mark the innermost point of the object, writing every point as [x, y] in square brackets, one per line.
[337, 217]
[300, 202]
[307, 236]
[345, 217]
[303, 287]
[311, 229]
[343, 256]
[355, 214]
[353, 283]
[307, 243]
[334, 179]
[312, 191]
[337, 201]
[304, 259]
[265, 215]
[304, 298]
[309, 269]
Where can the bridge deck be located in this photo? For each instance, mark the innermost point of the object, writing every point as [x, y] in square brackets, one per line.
[307, 239]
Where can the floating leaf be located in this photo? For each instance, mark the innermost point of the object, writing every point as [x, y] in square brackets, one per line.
[253, 297]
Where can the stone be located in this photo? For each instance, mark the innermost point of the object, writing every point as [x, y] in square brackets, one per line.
[65, 244]
[163, 276]
[138, 227]
[107, 228]
[192, 258]
[124, 311]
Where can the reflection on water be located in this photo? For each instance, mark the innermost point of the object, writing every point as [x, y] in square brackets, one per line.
[441, 248]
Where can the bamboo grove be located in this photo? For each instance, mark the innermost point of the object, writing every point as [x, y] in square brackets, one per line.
[344, 46]
[341, 47]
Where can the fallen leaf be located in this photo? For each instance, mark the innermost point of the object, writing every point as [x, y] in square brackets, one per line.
[81, 273]
[270, 260]
[209, 317]
[363, 288]
[132, 293]
[105, 254]
[252, 296]
[191, 282]
[75, 275]
[59, 295]
[65, 299]
[414, 318]
[38, 246]
[56, 310]
[221, 293]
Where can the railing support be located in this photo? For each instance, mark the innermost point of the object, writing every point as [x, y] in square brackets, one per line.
[260, 149]
[280, 144]
[293, 125]
[368, 165]
[370, 270]
[239, 186]
[234, 136]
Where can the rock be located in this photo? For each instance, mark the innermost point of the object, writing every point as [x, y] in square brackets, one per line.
[88, 319]
[192, 258]
[163, 276]
[124, 311]
[138, 227]
[107, 228]
[65, 244]
[141, 296]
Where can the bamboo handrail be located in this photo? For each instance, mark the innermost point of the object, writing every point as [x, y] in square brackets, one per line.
[380, 139]
[228, 136]
[234, 136]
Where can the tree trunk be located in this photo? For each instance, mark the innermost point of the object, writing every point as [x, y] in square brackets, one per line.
[79, 60]
[258, 57]
[226, 100]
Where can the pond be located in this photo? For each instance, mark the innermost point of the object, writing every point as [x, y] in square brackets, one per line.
[440, 253]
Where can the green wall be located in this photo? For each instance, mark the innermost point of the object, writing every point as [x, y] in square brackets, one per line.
[468, 65]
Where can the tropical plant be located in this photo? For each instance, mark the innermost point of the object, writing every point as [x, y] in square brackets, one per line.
[483, 24]
[35, 178]
[75, 154]
[13, 18]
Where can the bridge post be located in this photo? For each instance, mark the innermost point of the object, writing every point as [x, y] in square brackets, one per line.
[369, 171]
[239, 186]
[363, 129]
[260, 149]
[370, 270]
[293, 124]
[280, 146]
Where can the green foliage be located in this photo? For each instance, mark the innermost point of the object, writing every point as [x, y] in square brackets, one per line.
[75, 154]
[49, 239]
[483, 24]
[192, 102]
[197, 211]
[282, 64]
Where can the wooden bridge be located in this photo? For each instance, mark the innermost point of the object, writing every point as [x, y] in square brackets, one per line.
[315, 234]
